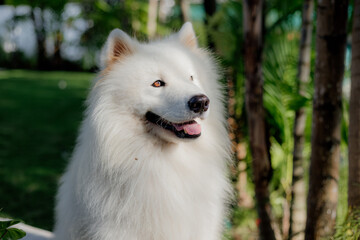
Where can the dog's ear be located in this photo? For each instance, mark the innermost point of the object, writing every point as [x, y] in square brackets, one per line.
[187, 36]
[117, 46]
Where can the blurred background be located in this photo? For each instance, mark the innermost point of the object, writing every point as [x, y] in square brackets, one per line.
[49, 53]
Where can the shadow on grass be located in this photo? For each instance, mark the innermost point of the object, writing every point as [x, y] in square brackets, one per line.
[40, 113]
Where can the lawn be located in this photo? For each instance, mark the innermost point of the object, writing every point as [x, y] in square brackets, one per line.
[40, 113]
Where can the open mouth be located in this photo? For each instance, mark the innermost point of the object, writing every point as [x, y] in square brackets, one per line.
[190, 129]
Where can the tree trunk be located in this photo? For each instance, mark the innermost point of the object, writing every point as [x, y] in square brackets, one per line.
[326, 122]
[253, 26]
[185, 10]
[162, 13]
[210, 9]
[298, 195]
[152, 18]
[38, 22]
[57, 59]
[354, 126]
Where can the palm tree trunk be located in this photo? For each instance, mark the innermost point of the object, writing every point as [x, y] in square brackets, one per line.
[38, 21]
[210, 9]
[57, 59]
[253, 26]
[354, 126]
[152, 18]
[326, 122]
[298, 195]
[185, 10]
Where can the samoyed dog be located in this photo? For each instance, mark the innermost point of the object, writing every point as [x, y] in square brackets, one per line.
[152, 154]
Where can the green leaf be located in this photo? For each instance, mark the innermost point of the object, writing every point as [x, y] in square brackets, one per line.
[297, 101]
[102, 5]
[6, 224]
[13, 234]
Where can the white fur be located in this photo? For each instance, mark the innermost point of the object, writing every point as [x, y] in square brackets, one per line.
[129, 179]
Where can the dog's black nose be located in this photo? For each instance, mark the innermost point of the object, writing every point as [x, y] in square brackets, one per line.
[199, 103]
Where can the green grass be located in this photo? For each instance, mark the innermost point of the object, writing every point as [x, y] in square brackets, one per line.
[38, 128]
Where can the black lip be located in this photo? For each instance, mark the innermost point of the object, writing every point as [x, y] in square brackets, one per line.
[156, 119]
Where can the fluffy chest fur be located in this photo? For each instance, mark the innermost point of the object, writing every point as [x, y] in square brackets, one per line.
[162, 192]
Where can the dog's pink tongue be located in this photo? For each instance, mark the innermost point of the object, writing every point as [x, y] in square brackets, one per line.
[191, 129]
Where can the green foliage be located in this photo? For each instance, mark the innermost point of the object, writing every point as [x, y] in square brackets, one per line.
[350, 228]
[225, 28]
[279, 14]
[280, 96]
[244, 223]
[54, 5]
[342, 207]
[281, 100]
[280, 88]
[10, 233]
[345, 121]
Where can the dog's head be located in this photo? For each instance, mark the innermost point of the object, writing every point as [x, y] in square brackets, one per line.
[160, 83]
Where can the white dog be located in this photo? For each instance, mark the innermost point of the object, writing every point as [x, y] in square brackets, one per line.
[152, 155]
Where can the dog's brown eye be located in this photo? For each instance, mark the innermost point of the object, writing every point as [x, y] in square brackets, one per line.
[158, 83]
[192, 78]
